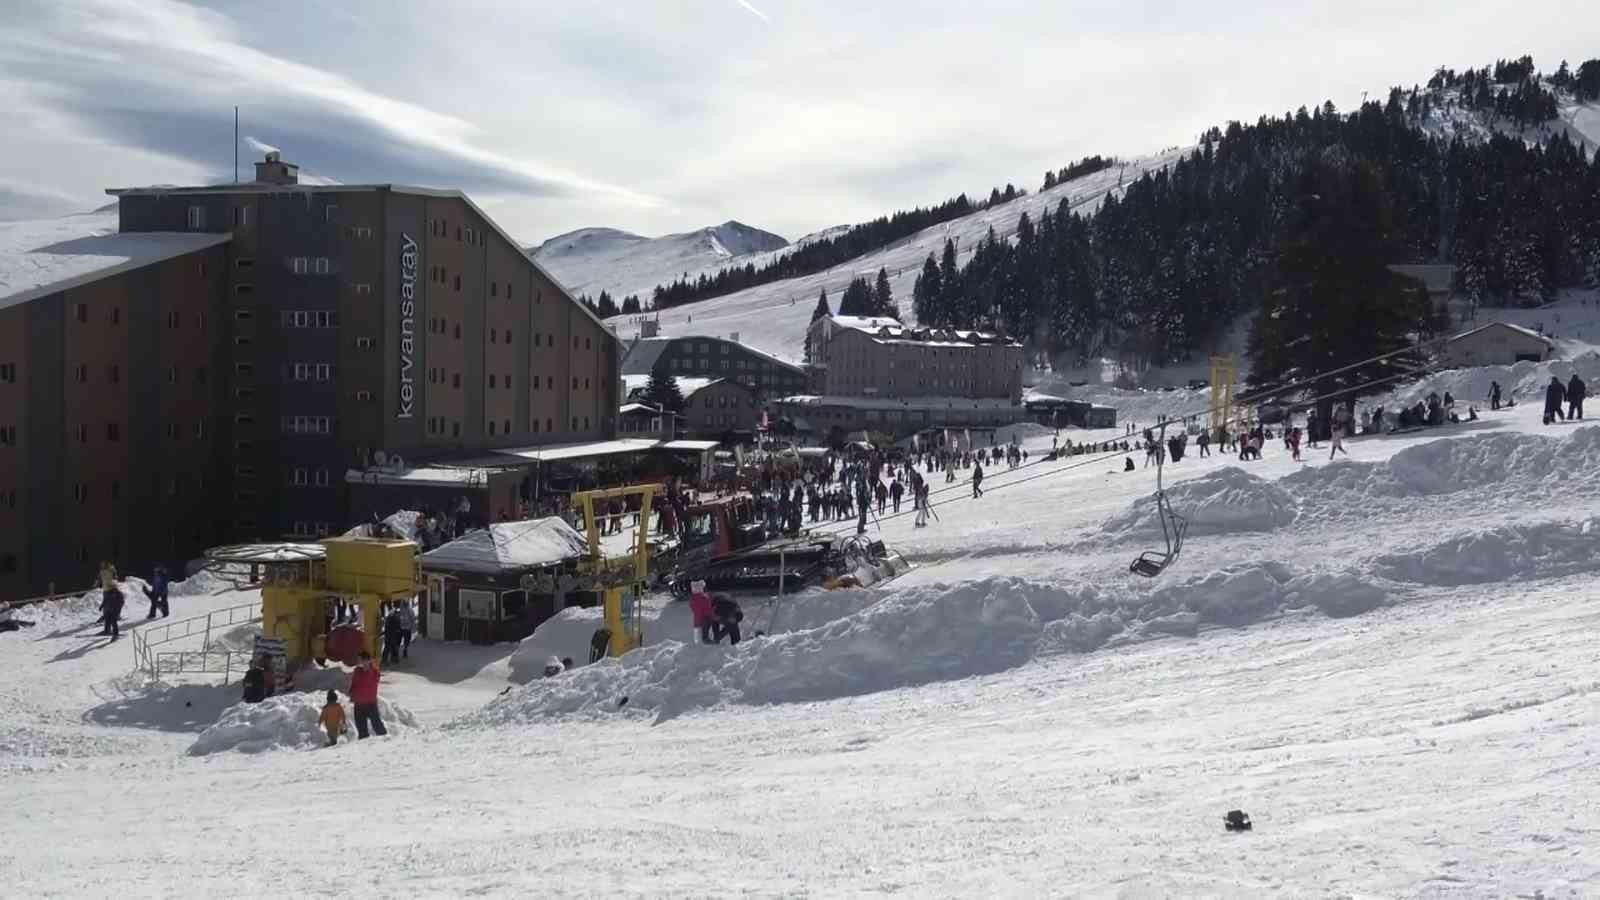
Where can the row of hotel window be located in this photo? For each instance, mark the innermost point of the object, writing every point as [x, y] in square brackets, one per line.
[166, 485]
[702, 365]
[438, 425]
[440, 275]
[8, 433]
[196, 218]
[440, 376]
[467, 235]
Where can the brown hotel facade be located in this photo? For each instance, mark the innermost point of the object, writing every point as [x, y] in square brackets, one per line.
[283, 335]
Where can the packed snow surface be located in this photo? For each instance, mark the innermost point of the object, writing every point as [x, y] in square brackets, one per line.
[40, 256]
[1386, 660]
[591, 260]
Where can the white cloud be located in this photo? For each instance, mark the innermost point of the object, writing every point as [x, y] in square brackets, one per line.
[665, 117]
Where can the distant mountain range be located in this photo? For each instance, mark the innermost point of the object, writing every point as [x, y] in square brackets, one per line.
[591, 260]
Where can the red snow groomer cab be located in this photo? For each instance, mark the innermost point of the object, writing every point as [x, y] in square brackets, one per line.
[725, 543]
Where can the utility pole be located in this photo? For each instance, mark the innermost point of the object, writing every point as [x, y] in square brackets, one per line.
[236, 145]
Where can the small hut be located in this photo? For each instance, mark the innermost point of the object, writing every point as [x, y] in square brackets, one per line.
[500, 582]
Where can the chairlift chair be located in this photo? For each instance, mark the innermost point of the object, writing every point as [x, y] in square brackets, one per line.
[1153, 562]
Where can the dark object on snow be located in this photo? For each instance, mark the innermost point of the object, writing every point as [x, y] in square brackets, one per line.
[1236, 820]
[599, 644]
[255, 685]
[623, 701]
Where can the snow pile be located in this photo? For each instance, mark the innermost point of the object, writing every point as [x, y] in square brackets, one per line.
[402, 523]
[284, 722]
[200, 583]
[920, 635]
[1225, 501]
[1514, 467]
[1506, 553]
[1524, 382]
[567, 633]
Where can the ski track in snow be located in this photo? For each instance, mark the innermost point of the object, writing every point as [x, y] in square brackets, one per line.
[1387, 661]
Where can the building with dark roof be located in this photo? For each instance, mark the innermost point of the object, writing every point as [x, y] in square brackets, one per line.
[340, 322]
[712, 358]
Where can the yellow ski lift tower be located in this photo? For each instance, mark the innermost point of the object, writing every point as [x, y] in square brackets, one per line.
[620, 579]
[1223, 375]
[303, 584]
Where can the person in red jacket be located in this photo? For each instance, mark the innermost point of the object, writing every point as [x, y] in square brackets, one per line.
[700, 608]
[364, 696]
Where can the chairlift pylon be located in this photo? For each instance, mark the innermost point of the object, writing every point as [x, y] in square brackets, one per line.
[1173, 526]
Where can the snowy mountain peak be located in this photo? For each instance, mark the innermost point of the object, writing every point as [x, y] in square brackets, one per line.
[591, 260]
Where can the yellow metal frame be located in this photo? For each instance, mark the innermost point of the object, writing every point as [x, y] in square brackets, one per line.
[364, 572]
[621, 580]
[1223, 376]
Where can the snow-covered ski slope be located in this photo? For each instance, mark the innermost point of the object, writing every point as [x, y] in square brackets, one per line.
[1448, 119]
[1387, 661]
[773, 317]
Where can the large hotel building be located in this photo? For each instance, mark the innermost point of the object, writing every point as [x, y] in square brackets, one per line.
[211, 370]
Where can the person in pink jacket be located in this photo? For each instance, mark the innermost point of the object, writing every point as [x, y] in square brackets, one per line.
[700, 608]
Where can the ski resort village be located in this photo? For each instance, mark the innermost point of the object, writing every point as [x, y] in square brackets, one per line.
[1219, 520]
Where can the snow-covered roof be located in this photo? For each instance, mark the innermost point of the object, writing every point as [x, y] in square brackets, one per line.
[643, 353]
[919, 403]
[46, 256]
[583, 450]
[1525, 332]
[687, 384]
[471, 477]
[628, 408]
[866, 323]
[509, 545]
[689, 445]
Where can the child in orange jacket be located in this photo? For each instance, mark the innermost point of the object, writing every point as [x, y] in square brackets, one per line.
[333, 720]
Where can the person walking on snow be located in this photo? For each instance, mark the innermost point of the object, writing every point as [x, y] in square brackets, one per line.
[392, 632]
[157, 592]
[919, 499]
[1576, 391]
[364, 696]
[895, 492]
[728, 615]
[1337, 434]
[977, 481]
[408, 622]
[1494, 395]
[333, 720]
[111, 610]
[1554, 394]
[700, 610]
[1204, 441]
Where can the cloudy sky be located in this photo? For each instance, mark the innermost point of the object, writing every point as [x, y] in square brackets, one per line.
[665, 115]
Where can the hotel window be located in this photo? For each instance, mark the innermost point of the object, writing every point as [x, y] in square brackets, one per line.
[116, 315]
[494, 288]
[244, 290]
[200, 430]
[83, 434]
[243, 262]
[507, 381]
[458, 331]
[492, 425]
[8, 435]
[456, 380]
[455, 428]
[330, 213]
[200, 321]
[241, 216]
[113, 431]
[363, 395]
[320, 477]
[323, 266]
[363, 232]
[298, 477]
[491, 382]
[173, 318]
[549, 424]
[172, 374]
[299, 265]
[458, 282]
[458, 233]
[83, 373]
[80, 492]
[507, 428]
[324, 371]
[325, 318]
[363, 343]
[8, 373]
[114, 374]
[493, 335]
[363, 289]
[81, 312]
[197, 218]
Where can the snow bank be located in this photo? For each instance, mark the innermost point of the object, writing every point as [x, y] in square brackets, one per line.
[567, 633]
[1225, 501]
[1511, 466]
[284, 722]
[1505, 553]
[920, 635]
[1524, 382]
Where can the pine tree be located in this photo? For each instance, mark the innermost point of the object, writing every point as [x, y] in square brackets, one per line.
[1331, 301]
[663, 392]
[951, 311]
[883, 296]
[607, 307]
[927, 293]
[822, 306]
[630, 305]
[857, 299]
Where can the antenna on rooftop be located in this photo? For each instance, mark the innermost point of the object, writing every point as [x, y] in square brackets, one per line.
[236, 145]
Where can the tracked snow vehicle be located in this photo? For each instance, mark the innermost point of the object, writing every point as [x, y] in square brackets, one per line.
[725, 544]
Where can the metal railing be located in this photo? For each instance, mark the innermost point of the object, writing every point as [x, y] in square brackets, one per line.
[206, 628]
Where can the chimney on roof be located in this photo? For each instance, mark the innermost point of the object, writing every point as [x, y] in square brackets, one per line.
[273, 170]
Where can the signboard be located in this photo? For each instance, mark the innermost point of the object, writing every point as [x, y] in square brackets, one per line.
[408, 324]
